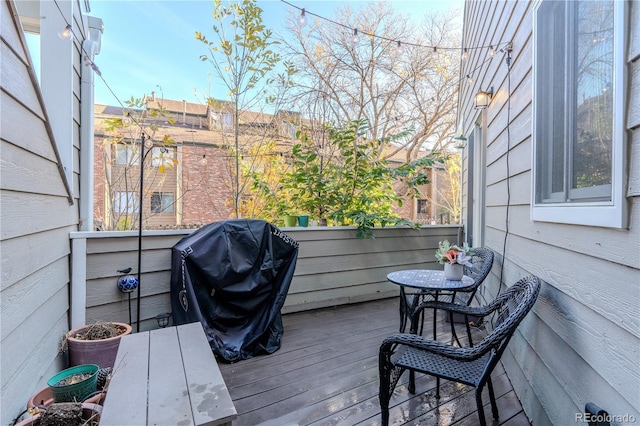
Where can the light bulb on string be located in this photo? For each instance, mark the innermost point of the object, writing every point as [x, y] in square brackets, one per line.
[465, 54]
[469, 80]
[302, 19]
[491, 51]
[148, 143]
[435, 51]
[66, 33]
[203, 160]
[355, 36]
[399, 48]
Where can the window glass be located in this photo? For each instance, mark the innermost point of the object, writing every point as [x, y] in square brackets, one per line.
[126, 155]
[578, 130]
[423, 206]
[574, 109]
[162, 202]
[162, 156]
[125, 202]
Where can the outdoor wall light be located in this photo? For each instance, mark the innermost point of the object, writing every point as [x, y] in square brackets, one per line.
[483, 99]
[163, 319]
[461, 141]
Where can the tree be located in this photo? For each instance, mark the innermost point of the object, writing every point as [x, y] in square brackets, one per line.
[242, 57]
[345, 182]
[370, 80]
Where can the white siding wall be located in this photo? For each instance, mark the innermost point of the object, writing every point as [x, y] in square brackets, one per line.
[333, 268]
[581, 342]
[36, 218]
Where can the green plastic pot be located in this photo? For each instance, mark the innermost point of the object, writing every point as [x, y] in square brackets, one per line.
[78, 391]
[290, 221]
[303, 220]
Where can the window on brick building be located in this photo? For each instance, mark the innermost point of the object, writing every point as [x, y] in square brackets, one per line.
[162, 202]
[423, 206]
[125, 202]
[126, 155]
[162, 156]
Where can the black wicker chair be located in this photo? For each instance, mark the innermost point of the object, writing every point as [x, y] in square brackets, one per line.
[482, 261]
[471, 365]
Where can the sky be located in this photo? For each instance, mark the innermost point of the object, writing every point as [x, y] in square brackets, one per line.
[150, 45]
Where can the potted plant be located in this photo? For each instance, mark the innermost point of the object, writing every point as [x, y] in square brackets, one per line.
[454, 258]
[96, 343]
[85, 414]
[74, 384]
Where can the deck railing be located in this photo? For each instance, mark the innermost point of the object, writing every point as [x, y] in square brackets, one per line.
[333, 268]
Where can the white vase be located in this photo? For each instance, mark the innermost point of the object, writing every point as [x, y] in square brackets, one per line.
[453, 271]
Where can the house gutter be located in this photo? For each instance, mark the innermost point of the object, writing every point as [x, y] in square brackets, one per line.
[90, 48]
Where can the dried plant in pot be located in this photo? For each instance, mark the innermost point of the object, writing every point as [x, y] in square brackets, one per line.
[67, 414]
[96, 343]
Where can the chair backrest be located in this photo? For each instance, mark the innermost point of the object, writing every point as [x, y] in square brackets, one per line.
[509, 309]
[482, 261]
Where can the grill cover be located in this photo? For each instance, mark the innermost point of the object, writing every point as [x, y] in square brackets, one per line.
[233, 277]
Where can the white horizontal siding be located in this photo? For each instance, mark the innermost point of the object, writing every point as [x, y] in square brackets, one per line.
[580, 343]
[333, 267]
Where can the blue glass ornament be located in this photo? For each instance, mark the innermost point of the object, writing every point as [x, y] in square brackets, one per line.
[127, 283]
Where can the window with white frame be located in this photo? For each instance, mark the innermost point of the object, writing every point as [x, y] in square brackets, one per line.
[126, 154]
[125, 202]
[162, 202]
[162, 156]
[578, 102]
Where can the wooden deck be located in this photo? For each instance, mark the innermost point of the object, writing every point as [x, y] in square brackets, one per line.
[326, 373]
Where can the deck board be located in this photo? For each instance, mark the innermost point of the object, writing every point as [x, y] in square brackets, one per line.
[326, 373]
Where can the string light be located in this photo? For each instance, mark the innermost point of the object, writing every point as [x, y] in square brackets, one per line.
[355, 36]
[465, 54]
[203, 160]
[399, 48]
[469, 80]
[491, 51]
[66, 33]
[302, 20]
[305, 12]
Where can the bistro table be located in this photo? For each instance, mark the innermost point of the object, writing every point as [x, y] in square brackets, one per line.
[431, 282]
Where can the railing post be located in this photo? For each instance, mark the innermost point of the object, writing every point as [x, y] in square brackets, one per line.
[78, 282]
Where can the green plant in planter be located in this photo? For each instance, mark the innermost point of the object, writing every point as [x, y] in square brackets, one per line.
[346, 182]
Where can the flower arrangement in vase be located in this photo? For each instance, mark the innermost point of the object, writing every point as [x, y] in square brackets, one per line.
[454, 258]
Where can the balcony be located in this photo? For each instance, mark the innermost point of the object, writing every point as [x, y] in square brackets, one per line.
[321, 374]
[326, 373]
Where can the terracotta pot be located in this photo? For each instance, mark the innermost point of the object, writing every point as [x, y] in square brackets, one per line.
[89, 411]
[44, 398]
[100, 352]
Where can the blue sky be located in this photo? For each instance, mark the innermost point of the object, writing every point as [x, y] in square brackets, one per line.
[150, 45]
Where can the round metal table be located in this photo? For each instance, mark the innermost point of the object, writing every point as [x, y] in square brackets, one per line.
[429, 281]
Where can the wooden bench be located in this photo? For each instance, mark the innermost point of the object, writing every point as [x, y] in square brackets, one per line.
[167, 376]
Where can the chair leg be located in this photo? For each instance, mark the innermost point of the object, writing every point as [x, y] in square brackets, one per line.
[466, 322]
[483, 422]
[404, 311]
[437, 387]
[492, 397]
[412, 382]
[384, 394]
